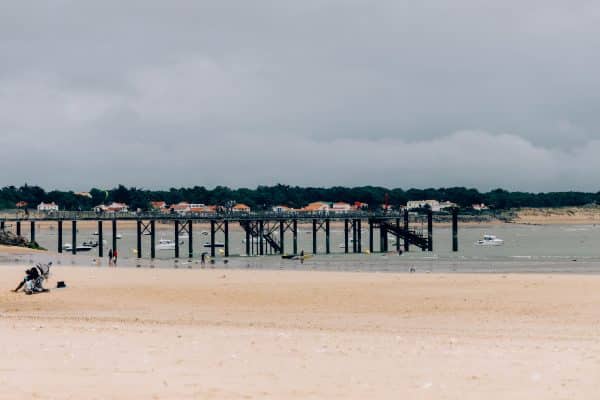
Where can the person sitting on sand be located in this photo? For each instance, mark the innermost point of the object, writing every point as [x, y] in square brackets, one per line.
[34, 277]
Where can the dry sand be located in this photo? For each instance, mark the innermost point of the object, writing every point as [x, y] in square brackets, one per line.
[214, 334]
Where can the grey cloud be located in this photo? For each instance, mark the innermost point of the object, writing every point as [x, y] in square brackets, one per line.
[395, 93]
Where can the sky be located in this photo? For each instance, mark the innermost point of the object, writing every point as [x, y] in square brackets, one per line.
[397, 93]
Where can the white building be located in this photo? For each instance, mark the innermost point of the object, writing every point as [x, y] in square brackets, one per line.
[47, 207]
[435, 205]
[281, 209]
[340, 207]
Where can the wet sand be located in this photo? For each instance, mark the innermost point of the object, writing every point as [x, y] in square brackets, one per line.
[230, 334]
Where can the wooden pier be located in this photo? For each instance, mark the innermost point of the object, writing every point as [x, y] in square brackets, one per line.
[264, 232]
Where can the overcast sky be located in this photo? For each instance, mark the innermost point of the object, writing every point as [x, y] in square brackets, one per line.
[398, 93]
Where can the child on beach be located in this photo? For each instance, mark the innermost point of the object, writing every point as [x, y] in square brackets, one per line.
[110, 256]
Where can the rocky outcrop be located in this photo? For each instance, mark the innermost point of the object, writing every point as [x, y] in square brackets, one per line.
[10, 239]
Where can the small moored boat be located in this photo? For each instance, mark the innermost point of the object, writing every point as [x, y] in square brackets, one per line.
[490, 240]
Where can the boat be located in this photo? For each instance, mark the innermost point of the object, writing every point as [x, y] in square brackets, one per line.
[217, 244]
[91, 243]
[490, 240]
[166, 244]
[81, 247]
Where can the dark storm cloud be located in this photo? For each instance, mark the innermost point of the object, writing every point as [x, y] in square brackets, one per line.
[395, 93]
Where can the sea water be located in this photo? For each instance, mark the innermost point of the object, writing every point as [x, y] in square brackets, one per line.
[526, 248]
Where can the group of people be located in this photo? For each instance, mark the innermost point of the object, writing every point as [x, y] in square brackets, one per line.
[112, 257]
[34, 279]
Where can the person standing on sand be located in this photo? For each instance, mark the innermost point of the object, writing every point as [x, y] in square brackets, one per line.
[110, 256]
[115, 255]
[302, 256]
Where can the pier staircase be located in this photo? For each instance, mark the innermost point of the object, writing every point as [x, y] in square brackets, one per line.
[413, 237]
[253, 229]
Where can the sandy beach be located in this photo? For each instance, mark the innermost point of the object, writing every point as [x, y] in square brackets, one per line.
[229, 334]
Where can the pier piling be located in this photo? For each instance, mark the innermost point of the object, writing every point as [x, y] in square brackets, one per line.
[354, 237]
[152, 239]
[139, 238]
[114, 234]
[346, 223]
[18, 228]
[176, 228]
[282, 237]
[406, 228]
[429, 230]
[60, 236]
[74, 237]
[327, 239]
[32, 231]
[371, 245]
[454, 229]
[100, 240]
[212, 238]
[226, 233]
[190, 239]
[295, 233]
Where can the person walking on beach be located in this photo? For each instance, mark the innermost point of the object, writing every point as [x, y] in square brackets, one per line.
[110, 256]
[115, 255]
[203, 259]
[302, 256]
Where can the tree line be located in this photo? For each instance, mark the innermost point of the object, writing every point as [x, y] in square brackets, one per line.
[265, 197]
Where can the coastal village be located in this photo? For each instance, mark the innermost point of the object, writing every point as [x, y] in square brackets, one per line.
[325, 207]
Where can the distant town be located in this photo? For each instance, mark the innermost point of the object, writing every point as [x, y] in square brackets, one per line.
[281, 198]
[185, 208]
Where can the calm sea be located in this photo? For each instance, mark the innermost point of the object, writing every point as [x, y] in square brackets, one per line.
[527, 248]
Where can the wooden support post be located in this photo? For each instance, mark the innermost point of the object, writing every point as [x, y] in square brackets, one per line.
[295, 231]
[359, 236]
[346, 236]
[314, 236]
[354, 237]
[176, 228]
[371, 245]
[212, 238]
[2, 225]
[190, 239]
[381, 239]
[282, 237]
[327, 241]
[60, 236]
[18, 228]
[139, 238]
[74, 237]
[261, 229]
[398, 237]
[455, 229]
[152, 239]
[406, 228]
[114, 235]
[226, 229]
[32, 231]
[429, 230]
[100, 240]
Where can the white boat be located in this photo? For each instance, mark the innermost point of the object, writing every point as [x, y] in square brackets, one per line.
[489, 240]
[81, 248]
[166, 244]
[217, 244]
